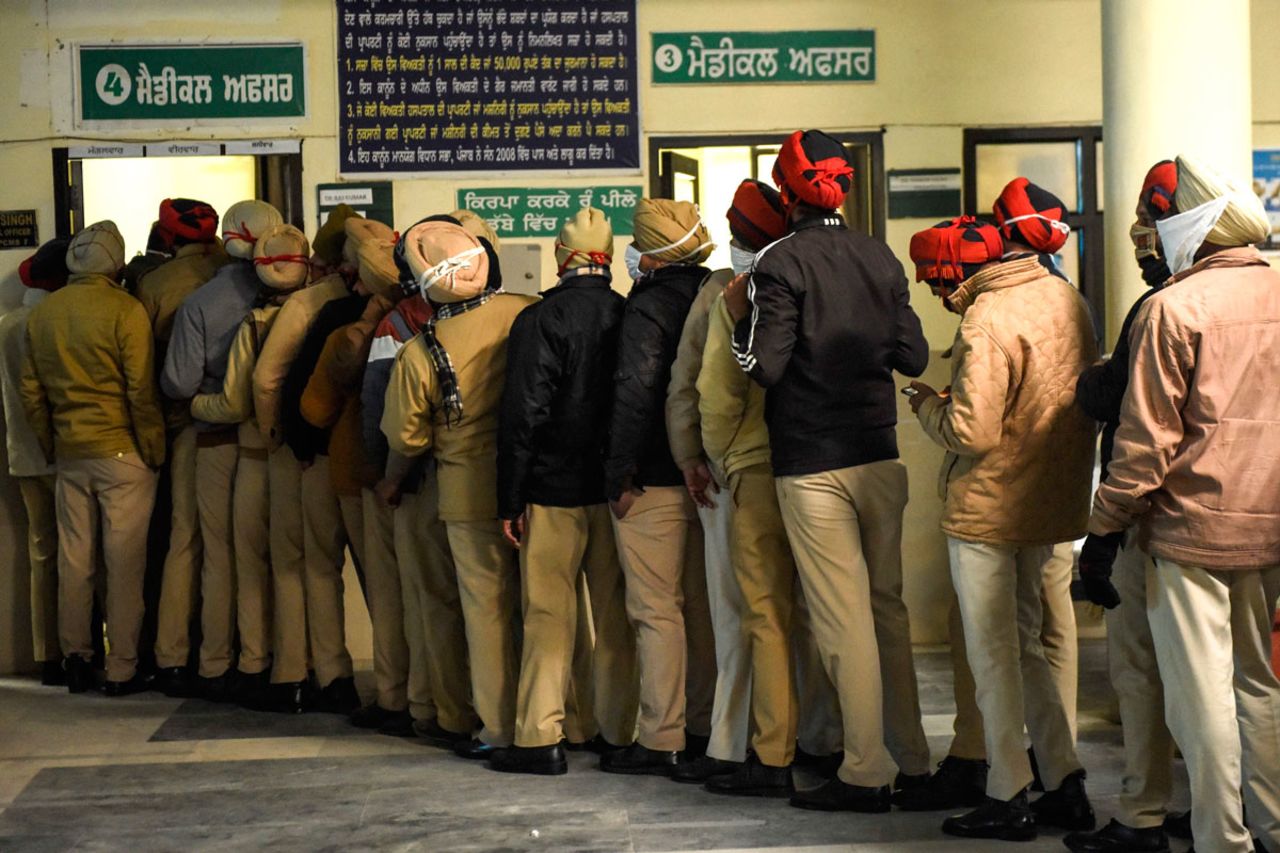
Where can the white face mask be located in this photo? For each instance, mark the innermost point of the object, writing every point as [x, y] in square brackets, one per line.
[1183, 234]
[631, 257]
[740, 259]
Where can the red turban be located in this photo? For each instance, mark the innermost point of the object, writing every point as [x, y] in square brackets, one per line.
[757, 215]
[188, 220]
[1031, 215]
[813, 168]
[1158, 189]
[952, 251]
[47, 268]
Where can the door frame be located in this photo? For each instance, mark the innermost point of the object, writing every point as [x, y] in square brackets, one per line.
[1088, 220]
[873, 139]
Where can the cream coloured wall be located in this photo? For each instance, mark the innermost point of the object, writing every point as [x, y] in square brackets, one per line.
[942, 66]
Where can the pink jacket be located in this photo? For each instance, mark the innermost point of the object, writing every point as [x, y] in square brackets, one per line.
[1197, 461]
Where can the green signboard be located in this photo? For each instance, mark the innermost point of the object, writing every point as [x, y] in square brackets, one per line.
[526, 212]
[794, 56]
[195, 81]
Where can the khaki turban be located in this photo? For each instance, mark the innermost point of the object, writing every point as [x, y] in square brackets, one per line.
[477, 225]
[1243, 222]
[329, 239]
[98, 249]
[244, 222]
[368, 248]
[585, 239]
[281, 257]
[447, 260]
[671, 231]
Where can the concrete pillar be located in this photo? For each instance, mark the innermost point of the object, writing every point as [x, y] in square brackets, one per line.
[1176, 79]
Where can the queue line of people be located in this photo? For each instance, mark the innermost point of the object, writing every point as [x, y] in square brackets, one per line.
[667, 528]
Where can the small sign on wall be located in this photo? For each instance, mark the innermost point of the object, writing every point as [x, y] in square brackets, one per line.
[371, 199]
[924, 193]
[18, 229]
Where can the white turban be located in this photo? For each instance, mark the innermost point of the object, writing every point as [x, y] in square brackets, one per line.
[1244, 221]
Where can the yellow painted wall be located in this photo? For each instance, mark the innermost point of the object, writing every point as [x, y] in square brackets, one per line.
[941, 65]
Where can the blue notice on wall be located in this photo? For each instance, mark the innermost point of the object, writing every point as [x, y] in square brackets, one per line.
[1266, 182]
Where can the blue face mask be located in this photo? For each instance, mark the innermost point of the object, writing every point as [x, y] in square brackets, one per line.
[631, 257]
[740, 259]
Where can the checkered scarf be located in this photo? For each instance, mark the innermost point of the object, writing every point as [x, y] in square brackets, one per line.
[450, 396]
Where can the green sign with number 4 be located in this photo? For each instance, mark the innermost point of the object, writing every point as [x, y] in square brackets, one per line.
[178, 82]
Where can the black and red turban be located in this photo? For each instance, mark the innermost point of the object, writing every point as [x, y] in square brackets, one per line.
[757, 215]
[814, 168]
[953, 250]
[1031, 215]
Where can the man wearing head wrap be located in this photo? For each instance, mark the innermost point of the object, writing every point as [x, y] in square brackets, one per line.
[203, 329]
[551, 428]
[1016, 478]
[331, 521]
[756, 209]
[42, 273]
[733, 437]
[331, 403]
[945, 256]
[192, 229]
[1030, 219]
[283, 272]
[826, 321]
[659, 537]
[443, 399]
[1148, 746]
[88, 391]
[1195, 471]
[439, 677]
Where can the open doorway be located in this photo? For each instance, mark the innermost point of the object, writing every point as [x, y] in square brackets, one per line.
[128, 189]
[707, 170]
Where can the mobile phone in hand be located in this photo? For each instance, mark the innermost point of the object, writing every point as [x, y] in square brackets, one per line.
[910, 392]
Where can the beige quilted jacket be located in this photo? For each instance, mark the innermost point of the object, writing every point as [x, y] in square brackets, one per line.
[1019, 462]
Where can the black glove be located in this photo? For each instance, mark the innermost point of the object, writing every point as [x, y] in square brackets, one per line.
[1096, 559]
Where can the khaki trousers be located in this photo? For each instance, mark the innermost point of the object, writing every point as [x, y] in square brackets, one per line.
[251, 539]
[439, 674]
[386, 605]
[1147, 782]
[42, 554]
[215, 487]
[562, 545]
[731, 707]
[660, 548]
[845, 529]
[580, 723]
[288, 568]
[110, 499]
[998, 588]
[821, 729]
[1222, 700]
[766, 573]
[1058, 636]
[329, 524]
[178, 588]
[487, 585]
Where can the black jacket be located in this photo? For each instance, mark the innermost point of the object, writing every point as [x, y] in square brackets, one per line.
[303, 439]
[831, 320]
[555, 404]
[1100, 389]
[651, 325]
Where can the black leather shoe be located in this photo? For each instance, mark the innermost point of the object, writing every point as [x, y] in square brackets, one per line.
[597, 744]
[399, 724]
[838, 796]
[1001, 820]
[754, 779]
[907, 781]
[175, 682]
[371, 716]
[699, 770]
[638, 760]
[52, 674]
[1178, 825]
[1115, 837]
[138, 684]
[339, 697]
[825, 766]
[474, 750]
[1066, 808]
[437, 736]
[285, 697]
[958, 783]
[538, 760]
[79, 673]
[250, 688]
[220, 688]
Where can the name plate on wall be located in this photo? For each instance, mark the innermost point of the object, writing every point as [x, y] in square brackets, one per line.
[525, 212]
[796, 56]
[218, 83]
